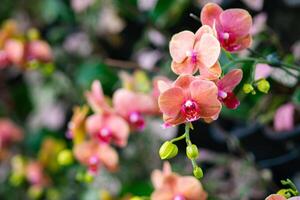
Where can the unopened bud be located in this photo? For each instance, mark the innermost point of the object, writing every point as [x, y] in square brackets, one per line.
[247, 88]
[263, 86]
[65, 157]
[192, 151]
[198, 173]
[168, 150]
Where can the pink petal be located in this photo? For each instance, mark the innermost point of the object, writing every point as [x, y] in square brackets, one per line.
[119, 128]
[236, 21]
[212, 73]
[163, 86]
[15, 51]
[170, 101]
[243, 43]
[162, 194]
[96, 98]
[210, 14]
[231, 101]
[174, 120]
[262, 71]
[93, 124]
[186, 67]
[208, 49]
[190, 188]
[39, 50]
[284, 117]
[202, 30]
[123, 102]
[275, 197]
[206, 93]
[180, 44]
[184, 82]
[109, 157]
[230, 80]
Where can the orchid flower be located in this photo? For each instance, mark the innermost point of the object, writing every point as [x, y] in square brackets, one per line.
[226, 86]
[171, 186]
[191, 52]
[93, 155]
[108, 128]
[233, 26]
[132, 106]
[188, 99]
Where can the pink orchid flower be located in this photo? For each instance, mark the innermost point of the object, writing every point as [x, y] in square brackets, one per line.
[226, 86]
[9, 133]
[133, 106]
[15, 50]
[35, 174]
[171, 186]
[39, 50]
[191, 52]
[279, 197]
[108, 128]
[284, 117]
[4, 61]
[188, 99]
[155, 81]
[96, 98]
[93, 155]
[233, 26]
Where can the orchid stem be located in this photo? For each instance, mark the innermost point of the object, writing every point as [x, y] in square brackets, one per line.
[178, 138]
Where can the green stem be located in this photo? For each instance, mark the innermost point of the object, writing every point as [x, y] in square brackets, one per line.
[178, 138]
[187, 133]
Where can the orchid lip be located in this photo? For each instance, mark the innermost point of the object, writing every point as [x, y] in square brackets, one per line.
[179, 197]
[222, 94]
[190, 110]
[93, 164]
[137, 120]
[104, 135]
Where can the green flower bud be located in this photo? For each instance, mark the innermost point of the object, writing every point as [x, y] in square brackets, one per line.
[16, 179]
[65, 157]
[263, 86]
[192, 151]
[247, 88]
[136, 198]
[88, 178]
[33, 34]
[168, 150]
[198, 173]
[35, 192]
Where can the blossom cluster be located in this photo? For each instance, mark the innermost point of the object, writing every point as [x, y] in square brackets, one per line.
[191, 97]
[111, 122]
[23, 50]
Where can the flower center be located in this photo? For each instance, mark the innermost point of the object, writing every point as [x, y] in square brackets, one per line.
[190, 110]
[94, 163]
[225, 36]
[104, 135]
[179, 197]
[137, 120]
[228, 41]
[193, 55]
[222, 94]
